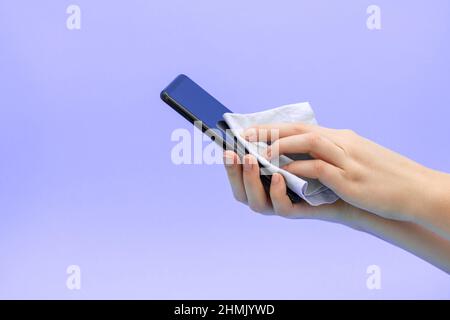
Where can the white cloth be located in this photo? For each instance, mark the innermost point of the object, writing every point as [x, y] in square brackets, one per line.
[311, 190]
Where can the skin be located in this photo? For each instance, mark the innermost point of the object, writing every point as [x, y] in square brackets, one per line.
[382, 192]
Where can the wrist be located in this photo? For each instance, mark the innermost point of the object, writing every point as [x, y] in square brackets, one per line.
[431, 205]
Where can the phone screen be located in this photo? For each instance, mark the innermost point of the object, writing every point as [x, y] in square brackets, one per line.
[196, 101]
[195, 104]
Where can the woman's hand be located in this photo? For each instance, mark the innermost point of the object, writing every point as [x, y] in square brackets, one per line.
[244, 177]
[247, 188]
[363, 173]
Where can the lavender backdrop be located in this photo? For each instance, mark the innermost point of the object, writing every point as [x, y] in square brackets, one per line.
[85, 170]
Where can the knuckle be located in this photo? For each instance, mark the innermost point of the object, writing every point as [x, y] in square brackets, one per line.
[282, 212]
[348, 132]
[314, 139]
[233, 171]
[319, 167]
[249, 159]
[299, 128]
[255, 207]
[240, 198]
[353, 173]
[252, 159]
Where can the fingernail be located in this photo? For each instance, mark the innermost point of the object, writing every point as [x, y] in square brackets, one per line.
[276, 178]
[247, 164]
[250, 134]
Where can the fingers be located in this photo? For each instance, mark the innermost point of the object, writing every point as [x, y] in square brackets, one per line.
[247, 187]
[246, 182]
[313, 143]
[254, 189]
[281, 203]
[234, 171]
[272, 132]
[328, 174]
[283, 206]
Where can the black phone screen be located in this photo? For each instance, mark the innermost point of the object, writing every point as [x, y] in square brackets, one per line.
[188, 97]
[195, 104]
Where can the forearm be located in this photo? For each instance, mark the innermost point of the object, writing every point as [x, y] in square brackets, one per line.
[409, 236]
[431, 206]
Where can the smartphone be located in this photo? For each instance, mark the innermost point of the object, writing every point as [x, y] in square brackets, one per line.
[195, 104]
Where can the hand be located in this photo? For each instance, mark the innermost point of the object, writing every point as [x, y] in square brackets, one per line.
[247, 188]
[363, 173]
[359, 171]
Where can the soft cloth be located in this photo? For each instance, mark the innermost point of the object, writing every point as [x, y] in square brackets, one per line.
[311, 190]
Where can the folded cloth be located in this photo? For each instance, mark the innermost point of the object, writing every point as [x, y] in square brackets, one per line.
[311, 190]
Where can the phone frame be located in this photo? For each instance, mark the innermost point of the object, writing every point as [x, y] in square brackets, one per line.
[241, 151]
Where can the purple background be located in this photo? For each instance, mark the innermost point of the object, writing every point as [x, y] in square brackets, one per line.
[85, 170]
